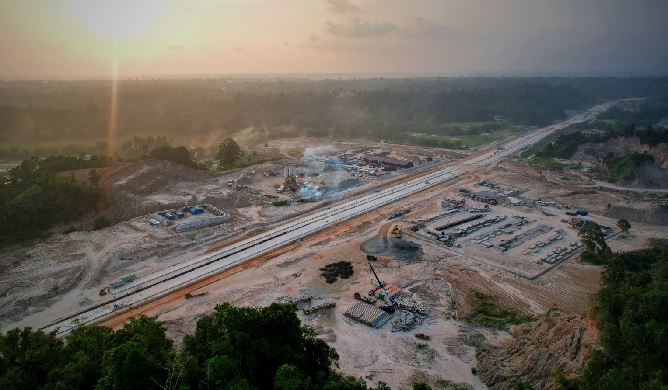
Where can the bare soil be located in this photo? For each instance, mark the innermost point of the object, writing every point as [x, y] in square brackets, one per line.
[39, 283]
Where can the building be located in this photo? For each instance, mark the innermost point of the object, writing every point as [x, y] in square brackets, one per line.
[415, 160]
[388, 162]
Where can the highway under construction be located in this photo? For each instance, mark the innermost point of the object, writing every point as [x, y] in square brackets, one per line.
[165, 281]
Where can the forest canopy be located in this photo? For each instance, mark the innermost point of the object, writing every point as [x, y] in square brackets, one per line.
[372, 108]
[232, 348]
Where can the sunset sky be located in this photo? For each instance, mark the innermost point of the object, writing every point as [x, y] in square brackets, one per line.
[79, 38]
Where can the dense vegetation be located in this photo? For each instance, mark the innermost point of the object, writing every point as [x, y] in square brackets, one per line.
[615, 169]
[232, 348]
[642, 114]
[631, 312]
[33, 197]
[375, 108]
[565, 145]
[488, 312]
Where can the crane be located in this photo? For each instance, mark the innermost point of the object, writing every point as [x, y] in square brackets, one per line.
[389, 308]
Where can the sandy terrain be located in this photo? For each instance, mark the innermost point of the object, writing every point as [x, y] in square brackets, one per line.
[59, 274]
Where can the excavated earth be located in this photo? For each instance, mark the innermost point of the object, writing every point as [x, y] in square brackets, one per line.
[66, 271]
[555, 340]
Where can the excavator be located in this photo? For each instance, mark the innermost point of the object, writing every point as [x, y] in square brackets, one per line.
[389, 308]
[396, 232]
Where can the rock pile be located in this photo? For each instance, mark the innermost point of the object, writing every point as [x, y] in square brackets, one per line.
[342, 269]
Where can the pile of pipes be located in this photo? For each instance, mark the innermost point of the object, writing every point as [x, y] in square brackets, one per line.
[368, 315]
[406, 321]
[301, 299]
[318, 307]
[409, 304]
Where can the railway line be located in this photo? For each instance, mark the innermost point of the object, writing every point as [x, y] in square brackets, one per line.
[164, 281]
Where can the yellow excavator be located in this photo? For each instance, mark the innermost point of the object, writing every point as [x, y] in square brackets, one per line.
[396, 232]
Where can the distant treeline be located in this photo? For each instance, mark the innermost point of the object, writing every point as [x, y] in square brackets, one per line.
[374, 108]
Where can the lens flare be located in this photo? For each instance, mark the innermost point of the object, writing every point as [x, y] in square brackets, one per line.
[113, 104]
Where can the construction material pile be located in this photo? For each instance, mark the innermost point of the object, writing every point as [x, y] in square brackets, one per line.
[202, 223]
[318, 307]
[409, 304]
[368, 315]
[342, 269]
[406, 321]
[301, 299]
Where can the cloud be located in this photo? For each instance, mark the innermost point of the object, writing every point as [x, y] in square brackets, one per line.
[342, 6]
[313, 38]
[360, 29]
[424, 27]
[175, 47]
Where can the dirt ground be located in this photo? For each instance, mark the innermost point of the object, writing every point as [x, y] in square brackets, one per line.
[39, 283]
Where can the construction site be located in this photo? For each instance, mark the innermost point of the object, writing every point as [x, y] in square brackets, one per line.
[394, 290]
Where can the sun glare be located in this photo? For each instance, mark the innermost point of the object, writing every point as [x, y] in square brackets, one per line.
[117, 19]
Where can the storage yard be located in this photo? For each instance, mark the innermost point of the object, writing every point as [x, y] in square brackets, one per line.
[502, 231]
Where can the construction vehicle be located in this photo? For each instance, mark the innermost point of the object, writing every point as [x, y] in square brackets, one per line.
[396, 232]
[422, 336]
[191, 295]
[389, 308]
[367, 299]
[105, 290]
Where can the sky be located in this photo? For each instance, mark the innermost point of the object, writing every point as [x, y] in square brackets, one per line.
[158, 38]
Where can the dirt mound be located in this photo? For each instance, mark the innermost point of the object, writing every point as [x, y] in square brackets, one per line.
[537, 350]
[649, 214]
[233, 200]
[127, 185]
[146, 177]
[595, 152]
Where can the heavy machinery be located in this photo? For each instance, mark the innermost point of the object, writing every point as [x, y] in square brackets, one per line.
[190, 295]
[389, 308]
[367, 299]
[396, 232]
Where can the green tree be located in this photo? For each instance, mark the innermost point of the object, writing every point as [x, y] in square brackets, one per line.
[229, 152]
[131, 366]
[288, 377]
[593, 239]
[101, 222]
[26, 357]
[624, 226]
[421, 386]
[141, 358]
[94, 178]
[242, 336]
[83, 354]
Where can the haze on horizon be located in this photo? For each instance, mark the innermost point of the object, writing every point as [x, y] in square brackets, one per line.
[83, 38]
